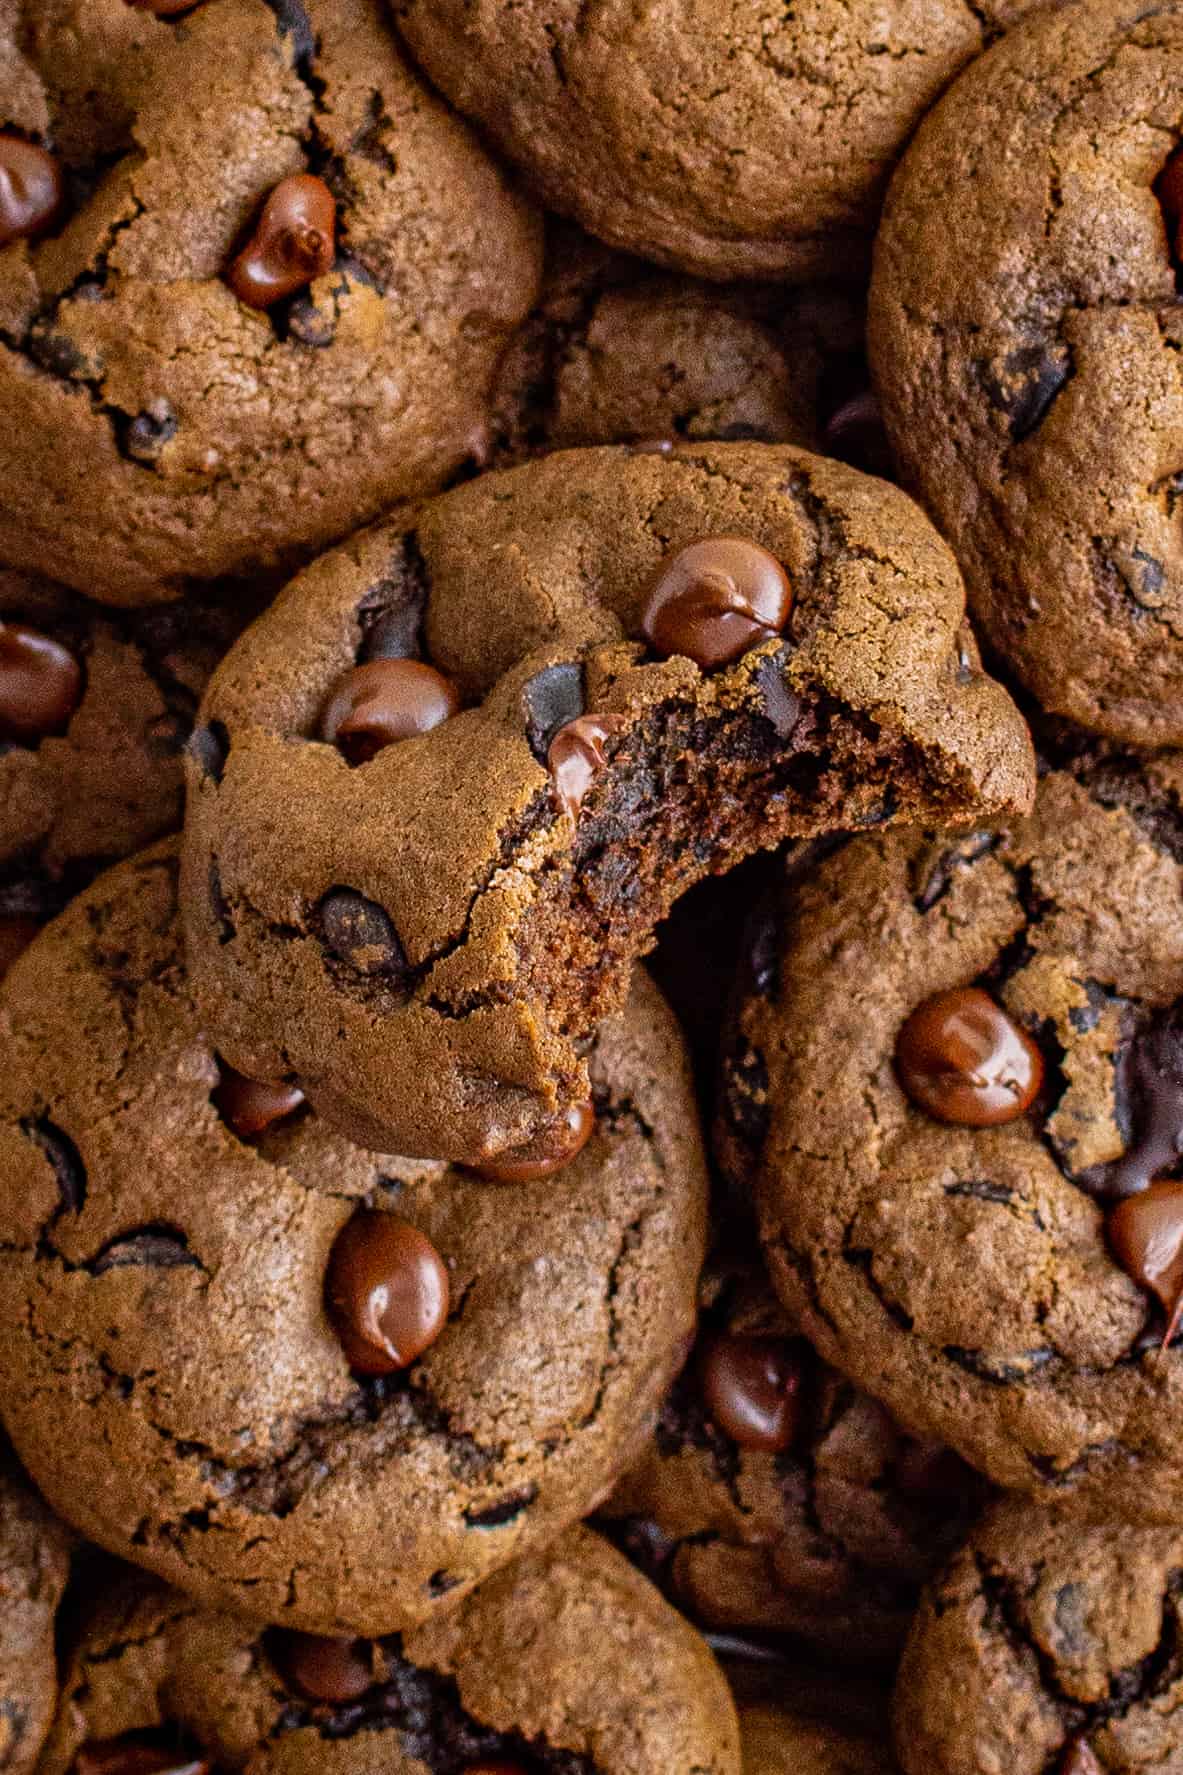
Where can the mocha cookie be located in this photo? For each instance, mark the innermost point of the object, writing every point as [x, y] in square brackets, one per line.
[254, 280]
[327, 1387]
[447, 786]
[568, 1664]
[1027, 357]
[776, 1496]
[95, 709]
[957, 1079]
[34, 1566]
[1047, 1647]
[721, 139]
[776, 1742]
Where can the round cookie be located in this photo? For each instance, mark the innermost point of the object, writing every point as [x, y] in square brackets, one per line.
[1059, 1648]
[823, 1525]
[567, 1664]
[958, 1258]
[34, 1566]
[1027, 360]
[776, 1742]
[187, 1265]
[425, 933]
[156, 429]
[718, 138]
[97, 773]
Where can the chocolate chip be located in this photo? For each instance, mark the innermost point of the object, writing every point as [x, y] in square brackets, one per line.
[505, 1510]
[855, 434]
[294, 241]
[250, 1106]
[1145, 1234]
[1168, 189]
[294, 24]
[752, 1389]
[358, 932]
[31, 189]
[386, 1292]
[552, 697]
[145, 436]
[136, 1756]
[374, 706]
[962, 1060]
[66, 1161]
[577, 756]
[209, 747]
[1026, 384]
[781, 706]
[40, 684]
[326, 1670]
[716, 598]
[1150, 1084]
[392, 635]
[546, 1155]
[149, 1247]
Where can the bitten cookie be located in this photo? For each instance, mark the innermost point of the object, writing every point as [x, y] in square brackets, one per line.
[958, 1080]
[1046, 1646]
[716, 136]
[34, 1566]
[95, 709]
[1028, 355]
[445, 789]
[254, 280]
[568, 1664]
[776, 1742]
[776, 1496]
[323, 1386]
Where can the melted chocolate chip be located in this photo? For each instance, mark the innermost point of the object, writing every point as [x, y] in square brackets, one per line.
[135, 1756]
[31, 189]
[1078, 1759]
[855, 434]
[386, 700]
[209, 748]
[328, 1670]
[1025, 385]
[552, 697]
[546, 1155]
[250, 1106]
[716, 598]
[1169, 191]
[386, 1292]
[65, 1161]
[148, 433]
[1145, 1234]
[782, 707]
[358, 932]
[752, 1388]
[16, 933]
[962, 1060]
[577, 755]
[1152, 1083]
[293, 243]
[150, 1247]
[40, 684]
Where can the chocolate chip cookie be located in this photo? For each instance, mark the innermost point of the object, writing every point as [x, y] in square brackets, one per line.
[446, 787]
[327, 1387]
[95, 709]
[776, 1496]
[776, 1742]
[1059, 1647]
[263, 296]
[568, 1664]
[957, 1078]
[1027, 358]
[724, 139]
[34, 1566]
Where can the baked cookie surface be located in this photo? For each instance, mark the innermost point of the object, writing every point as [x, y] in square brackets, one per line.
[34, 1566]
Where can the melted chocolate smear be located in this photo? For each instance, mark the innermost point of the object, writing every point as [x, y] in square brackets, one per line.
[552, 698]
[1150, 1080]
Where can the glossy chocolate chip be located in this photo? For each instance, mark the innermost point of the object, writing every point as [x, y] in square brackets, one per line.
[962, 1060]
[576, 756]
[1079, 1759]
[386, 700]
[1152, 1079]
[16, 933]
[132, 1756]
[552, 697]
[30, 189]
[40, 684]
[386, 1292]
[1145, 1235]
[293, 243]
[752, 1388]
[250, 1106]
[327, 1670]
[358, 932]
[715, 599]
[546, 1155]
[855, 434]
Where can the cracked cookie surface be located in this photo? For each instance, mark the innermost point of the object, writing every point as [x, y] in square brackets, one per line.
[171, 1376]
[510, 924]
[34, 1566]
[729, 138]
[1052, 1637]
[961, 1273]
[1027, 359]
[568, 1664]
[184, 435]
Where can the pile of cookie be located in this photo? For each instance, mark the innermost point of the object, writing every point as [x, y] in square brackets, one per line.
[591, 887]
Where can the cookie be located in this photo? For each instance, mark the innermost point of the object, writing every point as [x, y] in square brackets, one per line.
[1027, 359]
[34, 1566]
[96, 707]
[1057, 1645]
[775, 1496]
[417, 887]
[723, 140]
[613, 353]
[268, 301]
[568, 1664]
[956, 1078]
[776, 1742]
[327, 1387]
